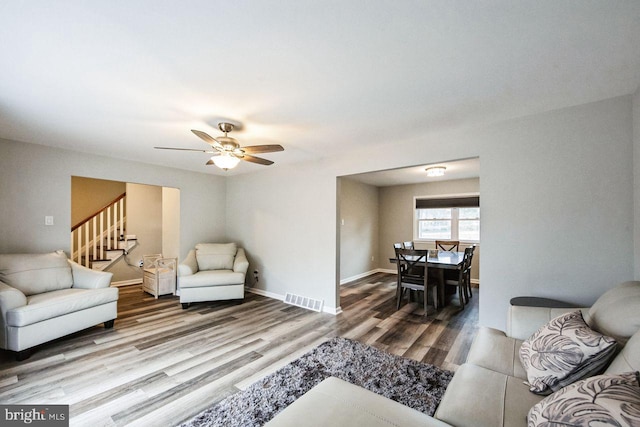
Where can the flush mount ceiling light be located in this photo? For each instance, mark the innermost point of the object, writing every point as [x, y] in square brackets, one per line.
[436, 171]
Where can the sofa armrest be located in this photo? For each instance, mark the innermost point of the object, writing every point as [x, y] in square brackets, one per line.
[10, 298]
[189, 265]
[523, 321]
[86, 278]
[240, 264]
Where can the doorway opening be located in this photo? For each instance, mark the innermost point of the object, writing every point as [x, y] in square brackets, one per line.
[115, 224]
[378, 209]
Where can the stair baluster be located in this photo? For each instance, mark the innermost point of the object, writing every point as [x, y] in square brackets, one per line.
[88, 244]
[101, 235]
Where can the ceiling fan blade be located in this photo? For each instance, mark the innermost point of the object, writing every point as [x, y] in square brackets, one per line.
[186, 149]
[257, 160]
[257, 149]
[207, 138]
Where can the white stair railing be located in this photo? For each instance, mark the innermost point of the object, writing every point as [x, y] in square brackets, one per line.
[88, 236]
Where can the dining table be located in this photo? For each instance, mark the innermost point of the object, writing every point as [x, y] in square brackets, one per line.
[441, 260]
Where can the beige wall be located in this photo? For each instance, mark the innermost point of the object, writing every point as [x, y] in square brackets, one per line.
[170, 222]
[358, 228]
[397, 215]
[89, 195]
[636, 181]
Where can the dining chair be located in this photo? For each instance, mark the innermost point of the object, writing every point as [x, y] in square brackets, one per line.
[414, 277]
[408, 245]
[460, 282]
[470, 294]
[448, 245]
[398, 246]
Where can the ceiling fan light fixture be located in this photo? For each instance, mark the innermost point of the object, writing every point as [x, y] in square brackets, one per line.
[225, 161]
[436, 170]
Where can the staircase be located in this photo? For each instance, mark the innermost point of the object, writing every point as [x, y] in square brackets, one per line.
[99, 240]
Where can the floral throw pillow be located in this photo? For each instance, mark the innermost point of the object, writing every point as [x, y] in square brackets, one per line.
[603, 400]
[563, 351]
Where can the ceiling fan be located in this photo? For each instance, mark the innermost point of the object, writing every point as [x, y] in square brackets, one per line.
[227, 152]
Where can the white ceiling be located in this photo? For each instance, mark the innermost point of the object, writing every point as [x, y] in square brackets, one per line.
[321, 78]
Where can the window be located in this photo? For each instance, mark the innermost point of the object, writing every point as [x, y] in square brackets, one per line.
[448, 219]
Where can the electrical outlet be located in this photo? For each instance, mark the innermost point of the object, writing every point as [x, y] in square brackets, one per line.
[255, 275]
[140, 263]
[48, 220]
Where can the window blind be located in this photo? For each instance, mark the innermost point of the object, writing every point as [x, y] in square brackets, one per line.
[450, 202]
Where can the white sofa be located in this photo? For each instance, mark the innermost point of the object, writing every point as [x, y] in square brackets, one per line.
[488, 390]
[212, 272]
[46, 296]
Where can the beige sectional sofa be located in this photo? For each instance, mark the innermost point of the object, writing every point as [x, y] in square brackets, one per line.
[46, 296]
[488, 390]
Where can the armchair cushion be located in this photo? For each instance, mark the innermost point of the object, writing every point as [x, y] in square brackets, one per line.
[36, 273]
[215, 256]
[563, 351]
[212, 278]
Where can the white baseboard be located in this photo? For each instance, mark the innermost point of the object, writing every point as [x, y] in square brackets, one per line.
[358, 276]
[126, 283]
[368, 273]
[331, 310]
[264, 293]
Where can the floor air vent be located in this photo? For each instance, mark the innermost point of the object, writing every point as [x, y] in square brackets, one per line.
[304, 302]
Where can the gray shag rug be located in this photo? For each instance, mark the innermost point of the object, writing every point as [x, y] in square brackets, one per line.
[414, 384]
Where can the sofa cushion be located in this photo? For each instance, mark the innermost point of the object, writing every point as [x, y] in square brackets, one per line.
[58, 303]
[337, 403]
[36, 273]
[215, 256]
[616, 312]
[563, 351]
[601, 400]
[492, 349]
[211, 278]
[628, 359]
[480, 397]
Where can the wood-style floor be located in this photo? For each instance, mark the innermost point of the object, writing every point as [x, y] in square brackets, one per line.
[160, 364]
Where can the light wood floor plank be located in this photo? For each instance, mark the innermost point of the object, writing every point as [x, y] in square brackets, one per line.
[161, 364]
